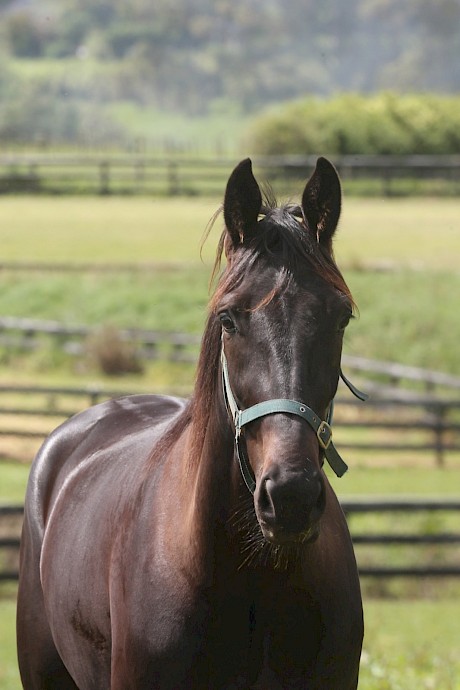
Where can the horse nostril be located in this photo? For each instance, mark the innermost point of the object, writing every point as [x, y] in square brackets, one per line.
[265, 497]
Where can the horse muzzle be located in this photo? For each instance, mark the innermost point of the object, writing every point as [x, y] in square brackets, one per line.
[289, 505]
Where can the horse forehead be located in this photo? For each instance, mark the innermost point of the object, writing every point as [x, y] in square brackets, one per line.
[298, 301]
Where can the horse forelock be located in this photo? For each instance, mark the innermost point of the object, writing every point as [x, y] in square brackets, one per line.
[283, 238]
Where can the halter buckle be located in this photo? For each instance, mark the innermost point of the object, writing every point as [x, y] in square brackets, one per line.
[324, 434]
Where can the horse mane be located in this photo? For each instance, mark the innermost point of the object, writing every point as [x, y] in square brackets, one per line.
[285, 239]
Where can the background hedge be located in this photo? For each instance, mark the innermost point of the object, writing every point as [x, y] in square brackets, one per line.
[385, 123]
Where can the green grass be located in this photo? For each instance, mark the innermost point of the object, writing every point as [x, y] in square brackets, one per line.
[14, 481]
[9, 674]
[156, 300]
[394, 481]
[418, 233]
[407, 314]
[108, 230]
[411, 645]
[219, 132]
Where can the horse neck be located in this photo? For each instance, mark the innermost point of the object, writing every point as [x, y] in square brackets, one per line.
[203, 453]
[210, 454]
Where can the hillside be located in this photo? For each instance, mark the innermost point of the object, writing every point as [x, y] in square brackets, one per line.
[67, 62]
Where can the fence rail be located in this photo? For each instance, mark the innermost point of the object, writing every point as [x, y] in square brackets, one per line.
[27, 334]
[410, 410]
[139, 174]
[11, 519]
[427, 425]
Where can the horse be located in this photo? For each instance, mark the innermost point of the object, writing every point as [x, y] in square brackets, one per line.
[198, 544]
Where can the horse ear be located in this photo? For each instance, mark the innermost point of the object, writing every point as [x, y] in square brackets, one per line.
[321, 202]
[242, 203]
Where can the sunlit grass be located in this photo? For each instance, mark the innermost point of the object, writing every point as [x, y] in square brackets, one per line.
[411, 644]
[418, 233]
[105, 230]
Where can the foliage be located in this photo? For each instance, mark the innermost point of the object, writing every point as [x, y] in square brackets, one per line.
[23, 35]
[111, 354]
[186, 57]
[354, 124]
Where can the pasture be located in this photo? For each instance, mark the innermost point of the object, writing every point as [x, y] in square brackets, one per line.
[401, 259]
[399, 256]
[376, 233]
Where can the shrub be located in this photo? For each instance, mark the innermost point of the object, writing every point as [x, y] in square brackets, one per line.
[111, 354]
[385, 123]
[23, 36]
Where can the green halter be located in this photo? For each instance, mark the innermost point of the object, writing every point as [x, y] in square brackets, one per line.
[322, 428]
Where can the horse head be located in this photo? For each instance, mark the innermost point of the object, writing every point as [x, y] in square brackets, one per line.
[283, 306]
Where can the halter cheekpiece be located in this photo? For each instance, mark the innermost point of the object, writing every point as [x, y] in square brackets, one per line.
[322, 428]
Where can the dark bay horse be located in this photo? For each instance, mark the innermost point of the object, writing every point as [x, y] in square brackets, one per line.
[145, 560]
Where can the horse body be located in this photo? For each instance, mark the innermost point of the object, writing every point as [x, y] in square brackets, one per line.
[146, 563]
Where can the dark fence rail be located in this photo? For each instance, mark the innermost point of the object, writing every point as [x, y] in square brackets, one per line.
[27, 334]
[138, 174]
[410, 409]
[428, 563]
[11, 519]
[393, 426]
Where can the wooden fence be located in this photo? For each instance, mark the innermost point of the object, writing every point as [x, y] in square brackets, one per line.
[419, 427]
[134, 174]
[27, 334]
[411, 410]
[425, 564]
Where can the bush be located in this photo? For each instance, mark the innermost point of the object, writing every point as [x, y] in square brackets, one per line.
[24, 36]
[386, 123]
[111, 354]
[39, 111]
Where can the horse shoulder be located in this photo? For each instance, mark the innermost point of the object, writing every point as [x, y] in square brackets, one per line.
[79, 437]
[90, 474]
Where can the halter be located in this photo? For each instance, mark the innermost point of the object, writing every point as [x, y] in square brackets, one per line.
[322, 428]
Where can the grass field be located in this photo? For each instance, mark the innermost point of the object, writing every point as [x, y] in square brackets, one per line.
[408, 313]
[417, 233]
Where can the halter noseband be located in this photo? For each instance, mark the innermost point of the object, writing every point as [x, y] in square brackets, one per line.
[322, 428]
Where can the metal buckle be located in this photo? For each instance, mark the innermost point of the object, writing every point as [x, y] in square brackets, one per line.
[324, 428]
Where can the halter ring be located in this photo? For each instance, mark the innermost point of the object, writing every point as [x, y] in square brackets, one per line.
[324, 434]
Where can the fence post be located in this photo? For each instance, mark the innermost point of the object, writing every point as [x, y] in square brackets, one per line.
[439, 414]
[139, 174]
[104, 178]
[173, 178]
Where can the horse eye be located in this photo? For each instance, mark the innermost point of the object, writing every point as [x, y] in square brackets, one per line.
[227, 322]
[344, 321]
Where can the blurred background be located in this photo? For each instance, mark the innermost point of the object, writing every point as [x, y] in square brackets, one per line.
[119, 126]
